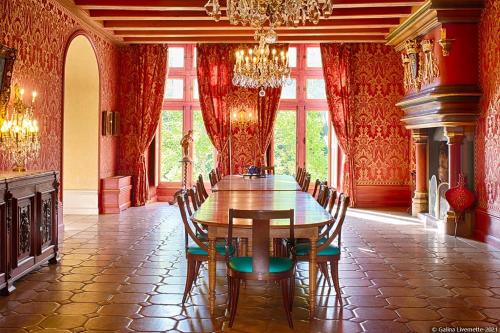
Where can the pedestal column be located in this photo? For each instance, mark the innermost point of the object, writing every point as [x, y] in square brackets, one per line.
[419, 202]
[455, 136]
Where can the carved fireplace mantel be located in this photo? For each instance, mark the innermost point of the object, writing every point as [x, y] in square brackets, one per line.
[439, 51]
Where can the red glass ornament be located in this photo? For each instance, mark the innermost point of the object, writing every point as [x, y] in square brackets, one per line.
[460, 197]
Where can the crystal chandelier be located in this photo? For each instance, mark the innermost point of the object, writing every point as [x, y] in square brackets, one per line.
[19, 132]
[272, 13]
[261, 67]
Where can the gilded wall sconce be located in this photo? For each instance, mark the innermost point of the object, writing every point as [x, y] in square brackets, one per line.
[446, 43]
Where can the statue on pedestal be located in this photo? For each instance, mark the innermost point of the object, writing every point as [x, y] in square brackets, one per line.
[185, 143]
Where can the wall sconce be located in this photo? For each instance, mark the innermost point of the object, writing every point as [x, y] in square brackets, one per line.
[110, 123]
[242, 118]
[445, 43]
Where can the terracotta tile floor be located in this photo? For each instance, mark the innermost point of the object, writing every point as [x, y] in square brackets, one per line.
[126, 273]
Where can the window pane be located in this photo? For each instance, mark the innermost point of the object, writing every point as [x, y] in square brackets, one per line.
[195, 89]
[284, 142]
[174, 89]
[292, 57]
[313, 57]
[203, 151]
[317, 144]
[315, 89]
[171, 152]
[289, 90]
[176, 57]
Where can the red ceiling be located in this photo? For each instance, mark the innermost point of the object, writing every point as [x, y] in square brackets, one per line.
[185, 21]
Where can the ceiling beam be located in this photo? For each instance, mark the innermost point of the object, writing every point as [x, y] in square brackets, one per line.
[199, 4]
[246, 33]
[345, 13]
[210, 25]
[282, 39]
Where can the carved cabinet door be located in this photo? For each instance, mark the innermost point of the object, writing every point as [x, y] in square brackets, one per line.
[23, 226]
[46, 230]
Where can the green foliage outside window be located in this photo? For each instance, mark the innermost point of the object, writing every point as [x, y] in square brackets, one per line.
[203, 155]
[171, 151]
[317, 144]
[284, 142]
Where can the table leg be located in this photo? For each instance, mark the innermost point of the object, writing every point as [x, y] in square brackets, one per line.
[211, 269]
[312, 275]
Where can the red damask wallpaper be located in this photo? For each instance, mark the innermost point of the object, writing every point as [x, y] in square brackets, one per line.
[382, 155]
[40, 30]
[487, 148]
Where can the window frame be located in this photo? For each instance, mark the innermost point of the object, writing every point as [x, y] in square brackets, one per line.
[301, 104]
[187, 104]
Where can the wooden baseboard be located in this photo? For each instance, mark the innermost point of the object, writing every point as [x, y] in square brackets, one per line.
[372, 196]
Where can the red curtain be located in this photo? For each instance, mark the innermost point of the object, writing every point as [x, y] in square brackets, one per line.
[337, 73]
[144, 72]
[215, 72]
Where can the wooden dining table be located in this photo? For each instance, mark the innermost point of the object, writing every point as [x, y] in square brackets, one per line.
[247, 183]
[309, 215]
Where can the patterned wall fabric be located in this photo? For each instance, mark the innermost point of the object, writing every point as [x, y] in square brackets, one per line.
[40, 30]
[487, 149]
[382, 155]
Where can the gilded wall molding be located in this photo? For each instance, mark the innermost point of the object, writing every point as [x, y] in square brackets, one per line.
[432, 14]
[419, 64]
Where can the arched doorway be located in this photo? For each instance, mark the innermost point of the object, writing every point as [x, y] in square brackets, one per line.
[80, 172]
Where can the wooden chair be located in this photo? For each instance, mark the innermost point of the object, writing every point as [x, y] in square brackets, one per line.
[197, 253]
[323, 196]
[261, 266]
[267, 170]
[202, 192]
[213, 178]
[326, 251]
[304, 186]
[298, 175]
[317, 186]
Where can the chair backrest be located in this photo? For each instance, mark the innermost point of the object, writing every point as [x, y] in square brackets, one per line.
[336, 229]
[316, 187]
[213, 178]
[267, 170]
[337, 209]
[195, 201]
[298, 174]
[302, 176]
[331, 201]
[305, 183]
[189, 226]
[323, 196]
[201, 188]
[260, 234]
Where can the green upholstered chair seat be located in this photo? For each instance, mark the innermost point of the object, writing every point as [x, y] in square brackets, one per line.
[276, 264]
[219, 247]
[303, 250]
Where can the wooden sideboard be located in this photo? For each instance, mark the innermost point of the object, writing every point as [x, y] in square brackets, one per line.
[28, 224]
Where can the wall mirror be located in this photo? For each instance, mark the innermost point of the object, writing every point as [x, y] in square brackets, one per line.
[7, 57]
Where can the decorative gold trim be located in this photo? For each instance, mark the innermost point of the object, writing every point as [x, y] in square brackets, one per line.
[419, 135]
[441, 124]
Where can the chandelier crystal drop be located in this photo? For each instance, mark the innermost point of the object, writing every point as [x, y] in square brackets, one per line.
[272, 13]
[19, 132]
[261, 67]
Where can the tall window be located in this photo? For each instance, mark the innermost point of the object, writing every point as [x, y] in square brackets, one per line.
[303, 134]
[181, 112]
[285, 136]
